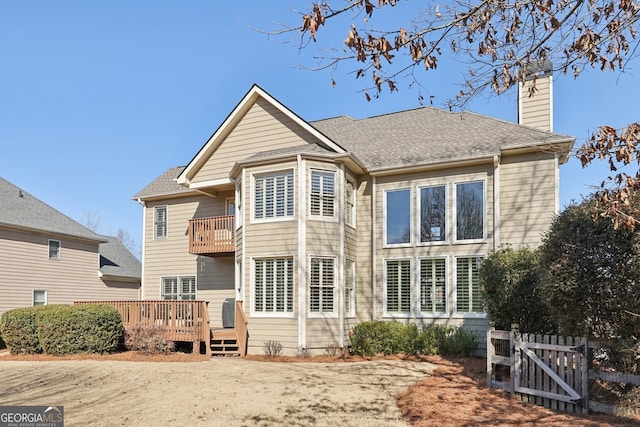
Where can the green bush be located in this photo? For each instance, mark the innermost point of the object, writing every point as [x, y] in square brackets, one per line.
[92, 328]
[382, 337]
[19, 329]
[62, 329]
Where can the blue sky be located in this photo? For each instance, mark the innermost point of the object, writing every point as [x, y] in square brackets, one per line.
[99, 98]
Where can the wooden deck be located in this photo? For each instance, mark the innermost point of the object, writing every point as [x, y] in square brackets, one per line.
[184, 321]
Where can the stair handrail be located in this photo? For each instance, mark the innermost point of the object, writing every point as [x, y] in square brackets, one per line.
[241, 329]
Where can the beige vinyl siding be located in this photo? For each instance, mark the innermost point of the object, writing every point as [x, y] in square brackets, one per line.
[322, 332]
[535, 110]
[26, 266]
[363, 251]
[261, 330]
[263, 128]
[527, 198]
[171, 257]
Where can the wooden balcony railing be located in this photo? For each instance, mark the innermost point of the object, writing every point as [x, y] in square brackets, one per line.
[180, 320]
[212, 236]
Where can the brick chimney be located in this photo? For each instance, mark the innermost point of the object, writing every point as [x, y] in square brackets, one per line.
[535, 96]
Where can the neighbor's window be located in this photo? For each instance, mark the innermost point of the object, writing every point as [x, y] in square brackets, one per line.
[54, 249]
[273, 194]
[185, 291]
[468, 293]
[322, 193]
[433, 288]
[398, 287]
[470, 211]
[321, 285]
[398, 216]
[39, 297]
[160, 222]
[273, 285]
[433, 214]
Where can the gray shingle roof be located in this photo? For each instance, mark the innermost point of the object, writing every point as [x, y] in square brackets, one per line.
[20, 209]
[117, 261]
[298, 149]
[428, 135]
[164, 185]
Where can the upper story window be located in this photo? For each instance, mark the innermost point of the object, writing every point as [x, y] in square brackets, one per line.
[322, 285]
[160, 222]
[322, 193]
[350, 204]
[54, 249]
[433, 214]
[470, 211]
[398, 216]
[274, 195]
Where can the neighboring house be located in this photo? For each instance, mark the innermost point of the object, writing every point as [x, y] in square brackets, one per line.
[317, 226]
[48, 258]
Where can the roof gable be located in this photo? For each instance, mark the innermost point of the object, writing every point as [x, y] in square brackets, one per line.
[258, 123]
[117, 262]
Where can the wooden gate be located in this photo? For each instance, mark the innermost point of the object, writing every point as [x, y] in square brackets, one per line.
[546, 370]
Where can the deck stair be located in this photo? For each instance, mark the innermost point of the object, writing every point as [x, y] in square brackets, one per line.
[224, 342]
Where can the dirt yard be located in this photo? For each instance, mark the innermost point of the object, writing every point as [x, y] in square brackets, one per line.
[133, 390]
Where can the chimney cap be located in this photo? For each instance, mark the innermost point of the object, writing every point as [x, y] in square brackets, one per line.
[538, 68]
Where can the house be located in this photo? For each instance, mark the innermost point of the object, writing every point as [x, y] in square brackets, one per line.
[316, 226]
[48, 258]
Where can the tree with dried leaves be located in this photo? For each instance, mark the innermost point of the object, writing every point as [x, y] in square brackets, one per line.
[498, 39]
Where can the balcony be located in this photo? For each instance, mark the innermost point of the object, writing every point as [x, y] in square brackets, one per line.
[212, 236]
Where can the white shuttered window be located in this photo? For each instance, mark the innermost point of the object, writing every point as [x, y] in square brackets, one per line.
[468, 295]
[178, 288]
[322, 193]
[273, 195]
[398, 287]
[160, 222]
[433, 289]
[322, 285]
[273, 287]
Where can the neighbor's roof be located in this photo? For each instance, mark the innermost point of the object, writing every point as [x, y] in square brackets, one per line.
[164, 185]
[428, 135]
[117, 261]
[21, 210]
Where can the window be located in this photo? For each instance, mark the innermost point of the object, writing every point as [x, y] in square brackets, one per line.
[350, 204]
[398, 287]
[273, 195]
[433, 213]
[273, 287]
[398, 216]
[160, 222]
[321, 285]
[350, 288]
[468, 298]
[470, 211]
[39, 297]
[433, 289]
[171, 291]
[54, 249]
[322, 193]
[238, 207]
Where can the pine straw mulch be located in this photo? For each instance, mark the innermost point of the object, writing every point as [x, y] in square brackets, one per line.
[454, 395]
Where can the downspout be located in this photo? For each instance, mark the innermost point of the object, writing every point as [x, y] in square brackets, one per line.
[245, 214]
[496, 203]
[341, 260]
[302, 254]
[374, 270]
[144, 228]
[557, 183]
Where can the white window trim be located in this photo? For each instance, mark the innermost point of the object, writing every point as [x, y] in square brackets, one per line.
[448, 218]
[255, 220]
[354, 198]
[447, 289]
[393, 315]
[384, 218]
[33, 297]
[166, 223]
[454, 291]
[325, 314]
[58, 256]
[178, 278]
[336, 204]
[239, 208]
[262, 314]
[454, 218]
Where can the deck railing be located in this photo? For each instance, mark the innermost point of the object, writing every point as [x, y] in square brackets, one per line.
[212, 235]
[180, 320]
[241, 329]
